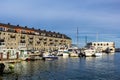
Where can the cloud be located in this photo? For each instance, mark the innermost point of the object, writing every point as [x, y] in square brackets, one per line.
[48, 10]
[91, 16]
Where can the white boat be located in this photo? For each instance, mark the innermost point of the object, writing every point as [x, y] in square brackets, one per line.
[48, 56]
[74, 55]
[62, 52]
[65, 54]
[92, 52]
[89, 52]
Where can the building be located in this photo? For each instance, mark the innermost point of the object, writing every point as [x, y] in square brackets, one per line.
[103, 46]
[24, 38]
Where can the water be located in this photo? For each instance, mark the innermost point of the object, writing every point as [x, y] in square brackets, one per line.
[106, 67]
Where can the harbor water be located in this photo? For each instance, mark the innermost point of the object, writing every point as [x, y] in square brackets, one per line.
[106, 67]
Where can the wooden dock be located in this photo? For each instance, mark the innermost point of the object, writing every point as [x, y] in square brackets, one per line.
[10, 61]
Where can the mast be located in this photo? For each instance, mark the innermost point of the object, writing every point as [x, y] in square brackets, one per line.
[86, 40]
[77, 37]
[97, 40]
[97, 37]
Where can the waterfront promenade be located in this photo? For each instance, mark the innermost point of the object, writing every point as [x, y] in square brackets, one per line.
[106, 67]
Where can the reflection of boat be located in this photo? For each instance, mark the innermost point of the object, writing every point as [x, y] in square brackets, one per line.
[2, 66]
[9, 68]
[49, 57]
[97, 54]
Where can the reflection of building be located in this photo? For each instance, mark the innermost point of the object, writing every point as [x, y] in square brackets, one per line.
[103, 46]
[23, 38]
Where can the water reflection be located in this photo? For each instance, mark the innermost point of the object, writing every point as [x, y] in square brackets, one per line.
[105, 67]
[1, 78]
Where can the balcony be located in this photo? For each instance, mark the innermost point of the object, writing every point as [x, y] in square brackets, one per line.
[22, 37]
[45, 39]
[2, 44]
[22, 46]
[45, 43]
[2, 40]
[40, 38]
[38, 42]
[22, 41]
[12, 36]
[50, 39]
[31, 38]
[56, 40]
[51, 44]
[30, 42]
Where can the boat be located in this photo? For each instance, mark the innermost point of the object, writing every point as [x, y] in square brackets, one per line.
[92, 52]
[65, 54]
[89, 52]
[49, 57]
[61, 52]
[74, 55]
[73, 52]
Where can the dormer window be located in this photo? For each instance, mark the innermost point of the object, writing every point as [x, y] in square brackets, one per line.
[2, 29]
[10, 30]
[23, 31]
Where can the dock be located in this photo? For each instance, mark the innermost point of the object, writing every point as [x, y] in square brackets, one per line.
[10, 61]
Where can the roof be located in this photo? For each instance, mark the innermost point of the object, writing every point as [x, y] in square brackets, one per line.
[36, 30]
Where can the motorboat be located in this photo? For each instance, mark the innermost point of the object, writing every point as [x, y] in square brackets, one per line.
[65, 54]
[89, 52]
[74, 55]
[92, 52]
[49, 57]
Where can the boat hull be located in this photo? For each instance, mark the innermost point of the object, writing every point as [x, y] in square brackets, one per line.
[50, 58]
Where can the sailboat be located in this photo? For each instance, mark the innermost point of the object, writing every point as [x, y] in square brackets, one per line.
[93, 51]
[98, 52]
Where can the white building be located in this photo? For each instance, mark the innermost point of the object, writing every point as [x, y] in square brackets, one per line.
[103, 46]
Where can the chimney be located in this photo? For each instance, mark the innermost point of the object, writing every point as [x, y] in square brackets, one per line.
[8, 23]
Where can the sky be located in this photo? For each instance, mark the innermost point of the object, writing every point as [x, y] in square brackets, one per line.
[92, 17]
